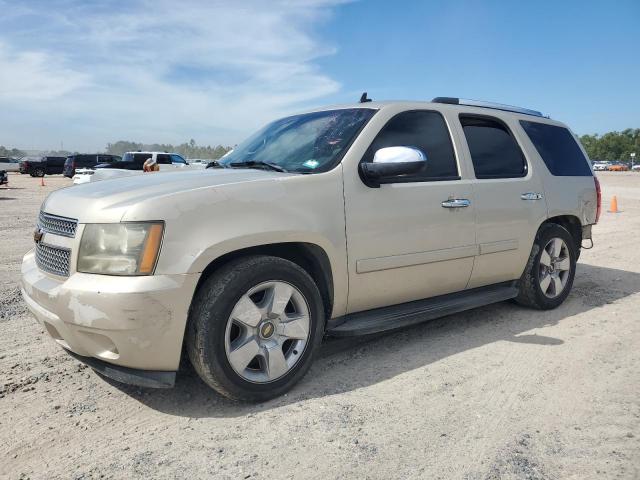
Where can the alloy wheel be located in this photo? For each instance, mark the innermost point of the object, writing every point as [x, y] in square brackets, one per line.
[267, 331]
[554, 267]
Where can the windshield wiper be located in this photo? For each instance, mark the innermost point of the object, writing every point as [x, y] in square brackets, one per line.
[257, 163]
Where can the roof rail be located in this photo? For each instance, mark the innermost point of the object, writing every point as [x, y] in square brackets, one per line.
[483, 104]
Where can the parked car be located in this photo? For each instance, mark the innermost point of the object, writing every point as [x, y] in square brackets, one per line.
[4, 179]
[130, 164]
[86, 160]
[636, 168]
[600, 166]
[9, 164]
[39, 167]
[618, 167]
[198, 162]
[342, 221]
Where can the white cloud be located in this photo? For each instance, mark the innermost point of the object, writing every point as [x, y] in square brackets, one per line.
[156, 70]
[35, 76]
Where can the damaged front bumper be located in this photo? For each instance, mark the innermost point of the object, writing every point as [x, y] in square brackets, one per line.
[125, 327]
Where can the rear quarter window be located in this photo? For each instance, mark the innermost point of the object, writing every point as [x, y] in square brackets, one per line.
[558, 148]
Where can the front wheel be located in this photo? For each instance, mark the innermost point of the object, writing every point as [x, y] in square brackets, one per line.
[254, 328]
[39, 172]
[548, 276]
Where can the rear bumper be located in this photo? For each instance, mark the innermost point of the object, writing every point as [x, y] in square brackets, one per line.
[132, 322]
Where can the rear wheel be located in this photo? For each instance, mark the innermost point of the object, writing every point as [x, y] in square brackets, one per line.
[254, 328]
[549, 274]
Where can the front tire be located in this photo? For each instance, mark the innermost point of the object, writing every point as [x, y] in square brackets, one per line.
[39, 172]
[254, 328]
[548, 276]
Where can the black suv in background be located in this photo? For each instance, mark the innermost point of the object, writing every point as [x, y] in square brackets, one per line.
[42, 166]
[87, 161]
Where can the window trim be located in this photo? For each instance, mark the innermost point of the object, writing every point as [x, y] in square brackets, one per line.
[456, 157]
[511, 134]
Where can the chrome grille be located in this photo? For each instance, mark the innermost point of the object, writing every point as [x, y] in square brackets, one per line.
[57, 225]
[53, 259]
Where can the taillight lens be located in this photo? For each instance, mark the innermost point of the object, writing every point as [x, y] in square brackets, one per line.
[599, 198]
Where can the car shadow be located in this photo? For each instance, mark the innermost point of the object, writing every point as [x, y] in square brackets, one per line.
[346, 364]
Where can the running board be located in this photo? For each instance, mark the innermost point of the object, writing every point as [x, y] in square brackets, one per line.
[405, 314]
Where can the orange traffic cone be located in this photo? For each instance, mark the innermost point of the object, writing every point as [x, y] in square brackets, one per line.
[614, 205]
[42, 182]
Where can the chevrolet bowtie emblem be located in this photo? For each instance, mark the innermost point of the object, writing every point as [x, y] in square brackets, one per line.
[37, 235]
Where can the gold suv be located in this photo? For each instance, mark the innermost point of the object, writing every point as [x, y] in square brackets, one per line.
[345, 220]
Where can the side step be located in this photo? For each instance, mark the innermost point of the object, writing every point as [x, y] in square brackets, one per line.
[405, 314]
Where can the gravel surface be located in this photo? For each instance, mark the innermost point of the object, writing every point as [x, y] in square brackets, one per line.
[500, 392]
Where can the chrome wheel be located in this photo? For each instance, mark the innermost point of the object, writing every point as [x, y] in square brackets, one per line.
[554, 268]
[267, 331]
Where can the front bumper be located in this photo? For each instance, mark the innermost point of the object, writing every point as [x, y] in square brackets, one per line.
[132, 322]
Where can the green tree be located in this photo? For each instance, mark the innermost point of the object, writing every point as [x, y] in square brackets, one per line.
[612, 146]
[13, 152]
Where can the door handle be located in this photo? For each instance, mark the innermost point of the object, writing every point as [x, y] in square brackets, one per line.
[531, 196]
[456, 203]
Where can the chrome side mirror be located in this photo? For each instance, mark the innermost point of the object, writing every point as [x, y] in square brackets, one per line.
[390, 164]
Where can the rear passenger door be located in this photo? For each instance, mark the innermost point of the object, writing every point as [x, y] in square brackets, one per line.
[509, 197]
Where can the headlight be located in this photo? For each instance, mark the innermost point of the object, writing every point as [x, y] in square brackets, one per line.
[120, 248]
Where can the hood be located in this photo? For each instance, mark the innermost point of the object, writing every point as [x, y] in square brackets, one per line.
[108, 200]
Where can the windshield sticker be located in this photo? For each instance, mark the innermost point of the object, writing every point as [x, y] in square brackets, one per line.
[311, 164]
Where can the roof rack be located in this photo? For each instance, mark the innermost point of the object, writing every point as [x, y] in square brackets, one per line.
[483, 104]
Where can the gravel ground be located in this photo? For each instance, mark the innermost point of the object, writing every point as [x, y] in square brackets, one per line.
[500, 392]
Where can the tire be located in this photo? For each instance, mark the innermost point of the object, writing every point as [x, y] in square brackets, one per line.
[219, 321]
[535, 289]
[39, 172]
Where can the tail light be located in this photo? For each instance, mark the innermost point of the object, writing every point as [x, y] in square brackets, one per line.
[599, 198]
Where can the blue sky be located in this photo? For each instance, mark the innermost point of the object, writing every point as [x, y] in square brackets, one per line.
[86, 72]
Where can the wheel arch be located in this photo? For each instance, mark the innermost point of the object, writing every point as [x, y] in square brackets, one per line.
[572, 224]
[308, 256]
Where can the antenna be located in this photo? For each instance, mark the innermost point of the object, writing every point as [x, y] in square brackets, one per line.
[364, 99]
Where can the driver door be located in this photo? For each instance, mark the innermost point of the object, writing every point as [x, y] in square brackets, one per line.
[404, 240]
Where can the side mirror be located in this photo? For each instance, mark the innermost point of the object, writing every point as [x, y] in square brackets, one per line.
[390, 163]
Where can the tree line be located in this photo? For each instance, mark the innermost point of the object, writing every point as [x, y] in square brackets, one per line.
[613, 145]
[188, 149]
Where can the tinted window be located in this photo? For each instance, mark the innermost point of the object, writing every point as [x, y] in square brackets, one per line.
[105, 159]
[4, 160]
[558, 148]
[163, 159]
[177, 159]
[425, 131]
[494, 151]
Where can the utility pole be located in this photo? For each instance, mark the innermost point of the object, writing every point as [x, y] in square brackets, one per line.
[633, 157]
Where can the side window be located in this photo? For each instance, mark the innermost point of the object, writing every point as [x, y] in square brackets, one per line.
[494, 151]
[177, 159]
[163, 159]
[427, 131]
[558, 148]
[138, 161]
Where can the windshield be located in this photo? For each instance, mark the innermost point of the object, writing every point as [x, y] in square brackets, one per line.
[307, 143]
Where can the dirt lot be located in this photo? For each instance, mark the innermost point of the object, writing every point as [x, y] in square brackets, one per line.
[498, 392]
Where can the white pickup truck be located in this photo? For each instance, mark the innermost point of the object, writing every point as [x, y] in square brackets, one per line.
[132, 163]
